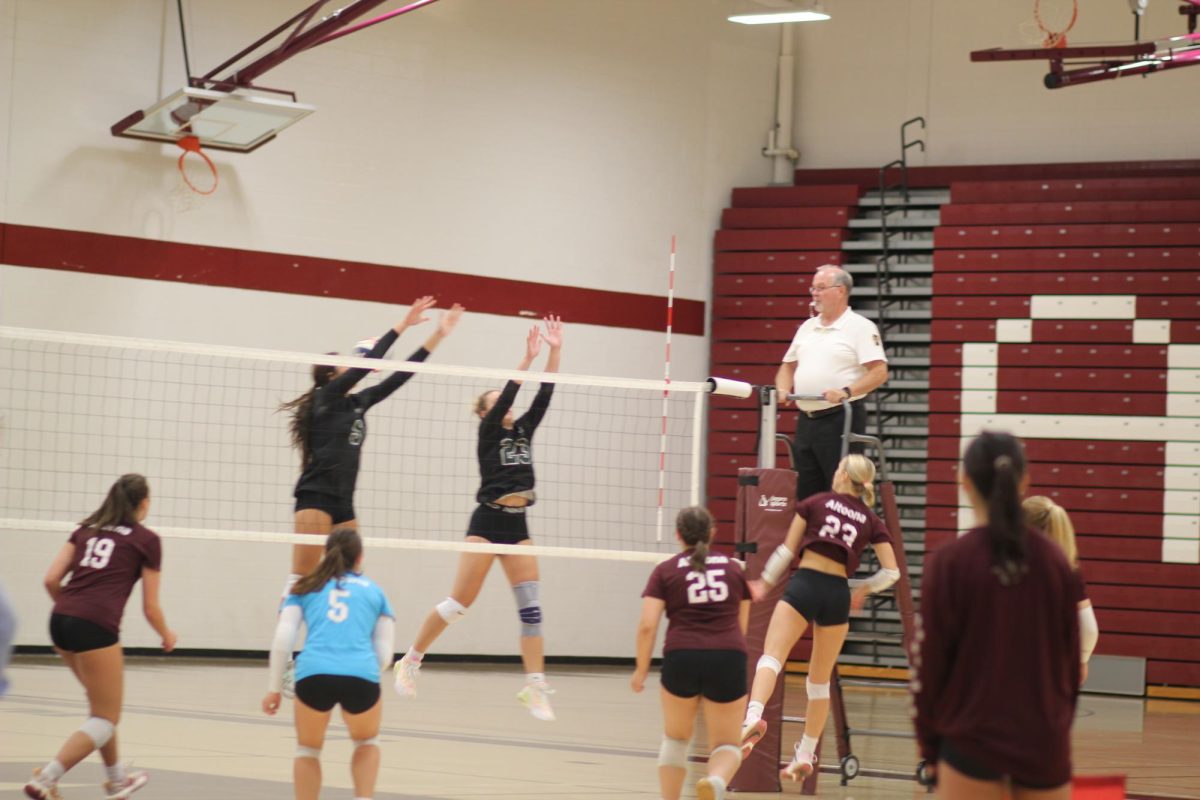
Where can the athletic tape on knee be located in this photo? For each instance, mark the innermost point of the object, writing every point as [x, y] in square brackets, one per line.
[98, 729]
[307, 752]
[451, 610]
[730, 748]
[769, 662]
[372, 742]
[672, 753]
[529, 608]
[817, 691]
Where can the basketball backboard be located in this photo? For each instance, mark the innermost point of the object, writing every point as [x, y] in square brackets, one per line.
[240, 121]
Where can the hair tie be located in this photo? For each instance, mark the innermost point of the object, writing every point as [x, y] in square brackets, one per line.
[1003, 462]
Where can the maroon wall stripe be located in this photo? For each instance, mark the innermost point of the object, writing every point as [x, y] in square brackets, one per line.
[130, 257]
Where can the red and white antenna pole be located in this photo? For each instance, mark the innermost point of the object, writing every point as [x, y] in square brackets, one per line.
[662, 449]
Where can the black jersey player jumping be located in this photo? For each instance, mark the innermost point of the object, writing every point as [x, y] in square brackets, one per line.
[505, 491]
[329, 427]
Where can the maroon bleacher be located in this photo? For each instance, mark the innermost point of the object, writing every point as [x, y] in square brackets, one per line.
[1001, 242]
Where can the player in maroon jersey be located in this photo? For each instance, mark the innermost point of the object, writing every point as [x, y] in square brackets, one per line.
[1045, 515]
[105, 557]
[707, 601]
[995, 660]
[830, 532]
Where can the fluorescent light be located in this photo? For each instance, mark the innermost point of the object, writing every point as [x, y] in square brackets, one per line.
[776, 17]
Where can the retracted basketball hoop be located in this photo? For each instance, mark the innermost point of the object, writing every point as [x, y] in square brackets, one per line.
[191, 144]
[230, 113]
[1070, 65]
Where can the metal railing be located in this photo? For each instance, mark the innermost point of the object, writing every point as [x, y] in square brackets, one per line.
[883, 262]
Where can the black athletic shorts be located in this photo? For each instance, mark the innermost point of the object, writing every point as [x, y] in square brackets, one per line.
[819, 598]
[323, 692]
[499, 524]
[718, 675]
[77, 635]
[338, 510]
[971, 767]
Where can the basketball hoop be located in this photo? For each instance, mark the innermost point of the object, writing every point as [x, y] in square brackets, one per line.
[191, 144]
[1054, 19]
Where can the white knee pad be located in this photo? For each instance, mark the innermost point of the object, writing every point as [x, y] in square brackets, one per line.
[816, 691]
[672, 753]
[451, 610]
[727, 748]
[529, 608]
[372, 742]
[769, 662]
[307, 752]
[98, 729]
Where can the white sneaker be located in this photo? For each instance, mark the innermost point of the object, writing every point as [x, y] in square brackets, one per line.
[119, 790]
[710, 789]
[288, 689]
[803, 765]
[536, 697]
[406, 671]
[753, 730]
[39, 790]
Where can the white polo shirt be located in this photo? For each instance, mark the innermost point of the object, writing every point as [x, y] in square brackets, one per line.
[830, 357]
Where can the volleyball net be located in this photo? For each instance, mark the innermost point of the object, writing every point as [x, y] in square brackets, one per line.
[201, 422]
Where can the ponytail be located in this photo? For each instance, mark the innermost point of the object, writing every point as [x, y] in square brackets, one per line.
[120, 504]
[1051, 519]
[860, 471]
[343, 547]
[694, 525]
[995, 465]
[300, 426]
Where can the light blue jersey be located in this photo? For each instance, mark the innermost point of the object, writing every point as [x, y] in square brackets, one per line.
[341, 619]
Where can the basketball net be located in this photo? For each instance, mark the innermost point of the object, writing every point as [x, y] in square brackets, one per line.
[1052, 20]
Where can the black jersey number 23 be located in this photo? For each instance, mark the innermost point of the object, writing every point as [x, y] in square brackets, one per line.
[514, 451]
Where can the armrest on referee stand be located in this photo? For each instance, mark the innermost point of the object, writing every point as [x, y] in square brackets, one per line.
[765, 507]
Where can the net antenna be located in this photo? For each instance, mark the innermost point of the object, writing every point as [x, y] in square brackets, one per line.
[662, 452]
[1071, 65]
[224, 109]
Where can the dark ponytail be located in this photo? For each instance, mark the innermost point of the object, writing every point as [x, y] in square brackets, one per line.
[121, 504]
[301, 409]
[695, 525]
[995, 465]
[342, 550]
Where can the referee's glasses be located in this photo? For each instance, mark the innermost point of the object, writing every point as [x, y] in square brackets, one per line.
[819, 289]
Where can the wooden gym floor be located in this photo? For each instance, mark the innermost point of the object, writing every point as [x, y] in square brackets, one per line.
[196, 727]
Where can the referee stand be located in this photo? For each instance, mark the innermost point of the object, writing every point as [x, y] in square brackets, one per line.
[759, 529]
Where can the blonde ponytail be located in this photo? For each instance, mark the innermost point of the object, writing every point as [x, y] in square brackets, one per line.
[861, 473]
[1051, 519]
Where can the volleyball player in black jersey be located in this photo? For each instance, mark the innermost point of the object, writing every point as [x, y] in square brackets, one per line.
[505, 492]
[329, 427]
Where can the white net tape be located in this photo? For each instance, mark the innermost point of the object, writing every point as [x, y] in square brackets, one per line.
[201, 423]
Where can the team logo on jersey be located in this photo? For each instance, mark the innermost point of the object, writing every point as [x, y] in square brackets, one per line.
[772, 503]
[358, 432]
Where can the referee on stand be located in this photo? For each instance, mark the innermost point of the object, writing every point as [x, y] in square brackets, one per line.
[836, 354]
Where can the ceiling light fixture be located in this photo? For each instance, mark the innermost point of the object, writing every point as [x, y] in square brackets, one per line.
[814, 12]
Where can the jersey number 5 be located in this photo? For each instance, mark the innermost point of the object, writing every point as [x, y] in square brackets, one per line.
[338, 610]
[834, 525]
[707, 587]
[98, 553]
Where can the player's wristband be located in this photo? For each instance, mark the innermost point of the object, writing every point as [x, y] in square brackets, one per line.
[779, 561]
